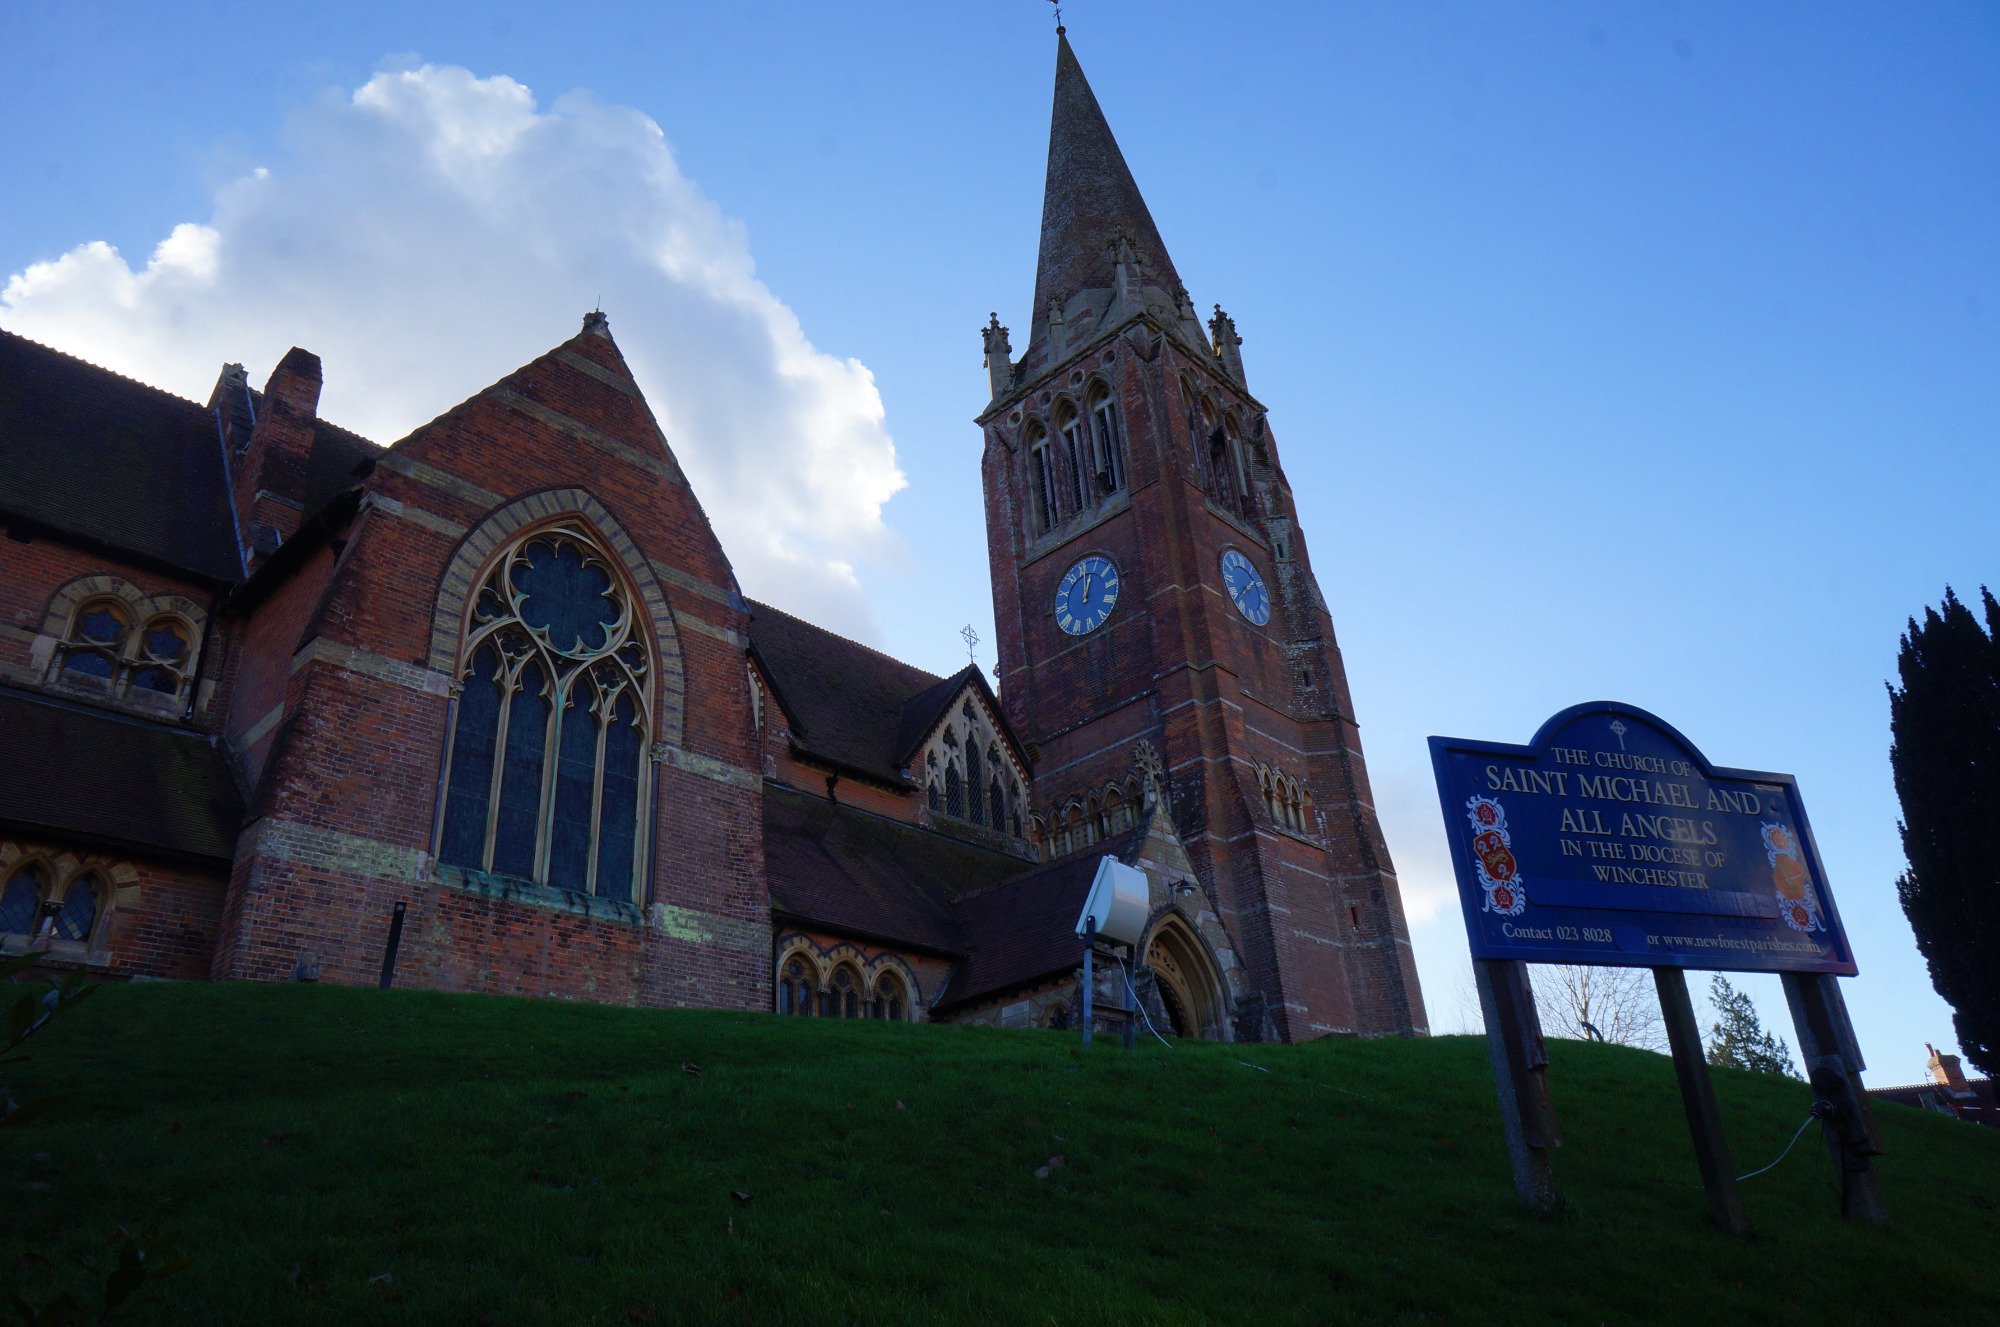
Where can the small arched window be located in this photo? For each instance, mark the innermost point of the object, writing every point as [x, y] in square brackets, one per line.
[954, 792]
[842, 998]
[549, 743]
[102, 649]
[1107, 441]
[795, 992]
[891, 1001]
[1058, 1017]
[21, 901]
[996, 808]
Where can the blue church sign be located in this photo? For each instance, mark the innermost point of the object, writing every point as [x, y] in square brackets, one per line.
[1609, 839]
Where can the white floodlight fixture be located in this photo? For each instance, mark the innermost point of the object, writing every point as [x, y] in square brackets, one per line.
[1118, 903]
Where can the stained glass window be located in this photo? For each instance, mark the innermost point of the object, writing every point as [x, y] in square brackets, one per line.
[549, 742]
[78, 913]
[22, 901]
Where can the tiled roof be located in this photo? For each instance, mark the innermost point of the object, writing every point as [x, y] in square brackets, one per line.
[1025, 929]
[76, 772]
[100, 457]
[865, 875]
[333, 465]
[846, 701]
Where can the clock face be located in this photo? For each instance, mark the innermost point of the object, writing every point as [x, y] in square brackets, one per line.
[1246, 588]
[1087, 595]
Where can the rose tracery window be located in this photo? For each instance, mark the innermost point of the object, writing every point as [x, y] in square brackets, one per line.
[549, 745]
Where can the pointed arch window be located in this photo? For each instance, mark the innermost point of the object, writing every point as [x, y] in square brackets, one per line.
[554, 720]
[21, 901]
[1041, 483]
[1075, 469]
[892, 1002]
[795, 987]
[107, 647]
[1107, 440]
[33, 904]
[842, 997]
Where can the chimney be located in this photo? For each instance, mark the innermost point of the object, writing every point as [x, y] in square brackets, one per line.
[270, 474]
[1945, 1071]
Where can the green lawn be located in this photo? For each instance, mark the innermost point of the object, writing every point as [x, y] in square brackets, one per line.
[338, 1155]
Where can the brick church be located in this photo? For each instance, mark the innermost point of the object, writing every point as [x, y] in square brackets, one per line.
[484, 709]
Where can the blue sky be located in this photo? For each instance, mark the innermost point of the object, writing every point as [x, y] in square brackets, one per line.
[1638, 352]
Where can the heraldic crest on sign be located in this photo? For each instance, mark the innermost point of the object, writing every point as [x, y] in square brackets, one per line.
[1499, 873]
[1798, 905]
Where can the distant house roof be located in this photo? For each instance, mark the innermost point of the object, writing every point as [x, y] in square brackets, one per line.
[1977, 1103]
[113, 462]
[851, 871]
[73, 771]
[850, 705]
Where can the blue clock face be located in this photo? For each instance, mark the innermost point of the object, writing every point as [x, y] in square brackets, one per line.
[1087, 595]
[1246, 588]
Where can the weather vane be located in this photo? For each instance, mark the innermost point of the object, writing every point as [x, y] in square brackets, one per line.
[971, 638]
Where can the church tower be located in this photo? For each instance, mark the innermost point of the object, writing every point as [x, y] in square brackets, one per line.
[1155, 605]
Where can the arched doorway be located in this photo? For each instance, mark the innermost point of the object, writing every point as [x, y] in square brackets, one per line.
[1187, 981]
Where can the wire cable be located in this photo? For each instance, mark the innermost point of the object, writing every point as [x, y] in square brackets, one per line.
[1814, 1114]
[1131, 991]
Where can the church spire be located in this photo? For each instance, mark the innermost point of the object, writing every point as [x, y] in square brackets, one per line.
[1093, 217]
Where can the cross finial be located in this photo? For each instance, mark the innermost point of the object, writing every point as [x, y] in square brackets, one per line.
[971, 639]
[1059, 25]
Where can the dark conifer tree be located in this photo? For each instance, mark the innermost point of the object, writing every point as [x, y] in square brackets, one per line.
[1737, 1037]
[1944, 726]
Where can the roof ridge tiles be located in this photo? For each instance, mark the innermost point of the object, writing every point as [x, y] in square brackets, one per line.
[100, 368]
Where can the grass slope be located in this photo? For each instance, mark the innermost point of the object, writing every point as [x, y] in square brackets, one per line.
[524, 1161]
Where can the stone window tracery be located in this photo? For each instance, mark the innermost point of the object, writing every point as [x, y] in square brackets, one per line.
[553, 722]
[115, 646]
[842, 997]
[969, 769]
[891, 1002]
[795, 987]
[39, 903]
[1285, 799]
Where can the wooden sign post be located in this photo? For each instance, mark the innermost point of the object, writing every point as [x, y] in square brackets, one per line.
[1520, 1065]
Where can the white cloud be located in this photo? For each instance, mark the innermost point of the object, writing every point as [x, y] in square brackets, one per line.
[433, 231]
